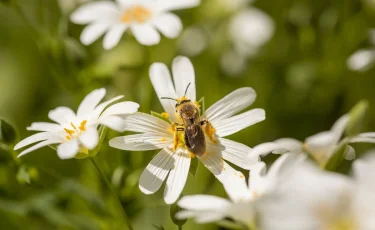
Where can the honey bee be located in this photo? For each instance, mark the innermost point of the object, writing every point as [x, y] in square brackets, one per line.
[194, 135]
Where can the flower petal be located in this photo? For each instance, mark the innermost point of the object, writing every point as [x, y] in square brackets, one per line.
[90, 138]
[145, 34]
[177, 176]
[360, 139]
[280, 145]
[231, 104]
[168, 24]
[113, 36]
[90, 102]
[34, 138]
[95, 11]
[38, 146]
[122, 108]
[156, 171]
[339, 127]
[369, 134]
[61, 115]
[145, 123]
[116, 123]
[162, 82]
[99, 109]
[68, 149]
[169, 5]
[93, 31]
[239, 154]
[228, 126]
[44, 126]
[183, 75]
[141, 142]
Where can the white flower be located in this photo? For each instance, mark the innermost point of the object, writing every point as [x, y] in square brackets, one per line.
[244, 199]
[174, 158]
[142, 17]
[362, 60]
[77, 133]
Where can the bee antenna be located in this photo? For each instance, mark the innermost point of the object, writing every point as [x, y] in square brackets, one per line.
[187, 87]
[168, 98]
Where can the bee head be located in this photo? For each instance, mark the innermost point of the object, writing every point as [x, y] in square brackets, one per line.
[181, 102]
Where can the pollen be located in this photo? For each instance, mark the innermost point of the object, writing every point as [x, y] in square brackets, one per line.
[163, 139]
[197, 104]
[210, 132]
[74, 132]
[137, 14]
[191, 155]
[82, 125]
[69, 131]
[164, 114]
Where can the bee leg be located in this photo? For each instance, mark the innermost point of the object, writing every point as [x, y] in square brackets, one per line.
[209, 130]
[204, 122]
[176, 139]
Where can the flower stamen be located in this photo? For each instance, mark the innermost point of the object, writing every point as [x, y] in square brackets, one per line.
[136, 14]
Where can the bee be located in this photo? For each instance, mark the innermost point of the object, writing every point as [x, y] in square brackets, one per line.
[194, 135]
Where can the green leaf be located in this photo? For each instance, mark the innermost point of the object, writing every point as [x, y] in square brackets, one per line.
[201, 102]
[337, 157]
[172, 211]
[356, 118]
[8, 134]
[25, 174]
[193, 166]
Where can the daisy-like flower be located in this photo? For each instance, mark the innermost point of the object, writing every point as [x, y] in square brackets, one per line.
[174, 158]
[363, 59]
[321, 146]
[243, 199]
[76, 134]
[142, 17]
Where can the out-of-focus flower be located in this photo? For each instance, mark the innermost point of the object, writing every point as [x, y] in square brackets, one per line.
[143, 18]
[243, 198]
[67, 6]
[78, 133]
[363, 59]
[249, 30]
[175, 157]
[232, 62]
[193, 41]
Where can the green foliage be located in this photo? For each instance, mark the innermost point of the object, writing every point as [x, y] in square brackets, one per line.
[172, 211]
[357, 118]
[8, 134]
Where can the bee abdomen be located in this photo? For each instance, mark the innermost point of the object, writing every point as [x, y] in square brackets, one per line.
[195, 140]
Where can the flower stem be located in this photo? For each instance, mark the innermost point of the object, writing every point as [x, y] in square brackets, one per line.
[109, 185]
[179, 227]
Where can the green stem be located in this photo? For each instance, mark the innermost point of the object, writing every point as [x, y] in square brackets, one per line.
[179, 227]
[109, 185]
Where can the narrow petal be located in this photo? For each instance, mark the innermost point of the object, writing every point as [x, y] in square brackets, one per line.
[280, 145]
[122, 108]
[169, 5]
[228, 126]
[321, 143]
[90, 138]
[141, 142]
[360, 139]
[61, 115]
[177, 176]
[168, 24]
[44, 126]
[231, 104]
[68, 149]
[203, 202]
[339, 127]
[238, 154]
[93, 31]
[145, 34]
[113, 36]
[183, 75]
[162, 82]
[145, 123]
[156, 171]
[99, 109]
[369, 134]
[90, 102]
[33, 138]
[116, 123]
[38, 146]
[95, 11]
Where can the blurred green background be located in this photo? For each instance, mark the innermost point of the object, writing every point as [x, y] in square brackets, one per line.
[300, 75]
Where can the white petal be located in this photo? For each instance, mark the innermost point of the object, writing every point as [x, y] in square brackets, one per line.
[228, 126]
[116, 123]
[177, 176]
[113, 36]
[141, 142]
[349, 153]
[145, 34]
[203, 202]
[122, 108]
[239, 154]
[61, 115]
[68, 149]
[34, 138]
[95, 11]
[93, 31]
[369, 134]
[162, 82]
[38, 146]
[280, 145]
[168, 24]
[90, 138]
[156, 172]
[145, 123]
[362, 60]
[231, 104]
[89, 103]
[99, 109]
[322, 143]
[183, 75]
[360, 139]
[44, 126]
[169, 5]
[339, 127]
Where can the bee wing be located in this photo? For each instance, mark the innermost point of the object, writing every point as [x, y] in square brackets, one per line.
[195, 139]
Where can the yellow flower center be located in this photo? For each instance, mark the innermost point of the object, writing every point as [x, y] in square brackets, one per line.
[136, 14]
[75, 132]
[341, 224]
